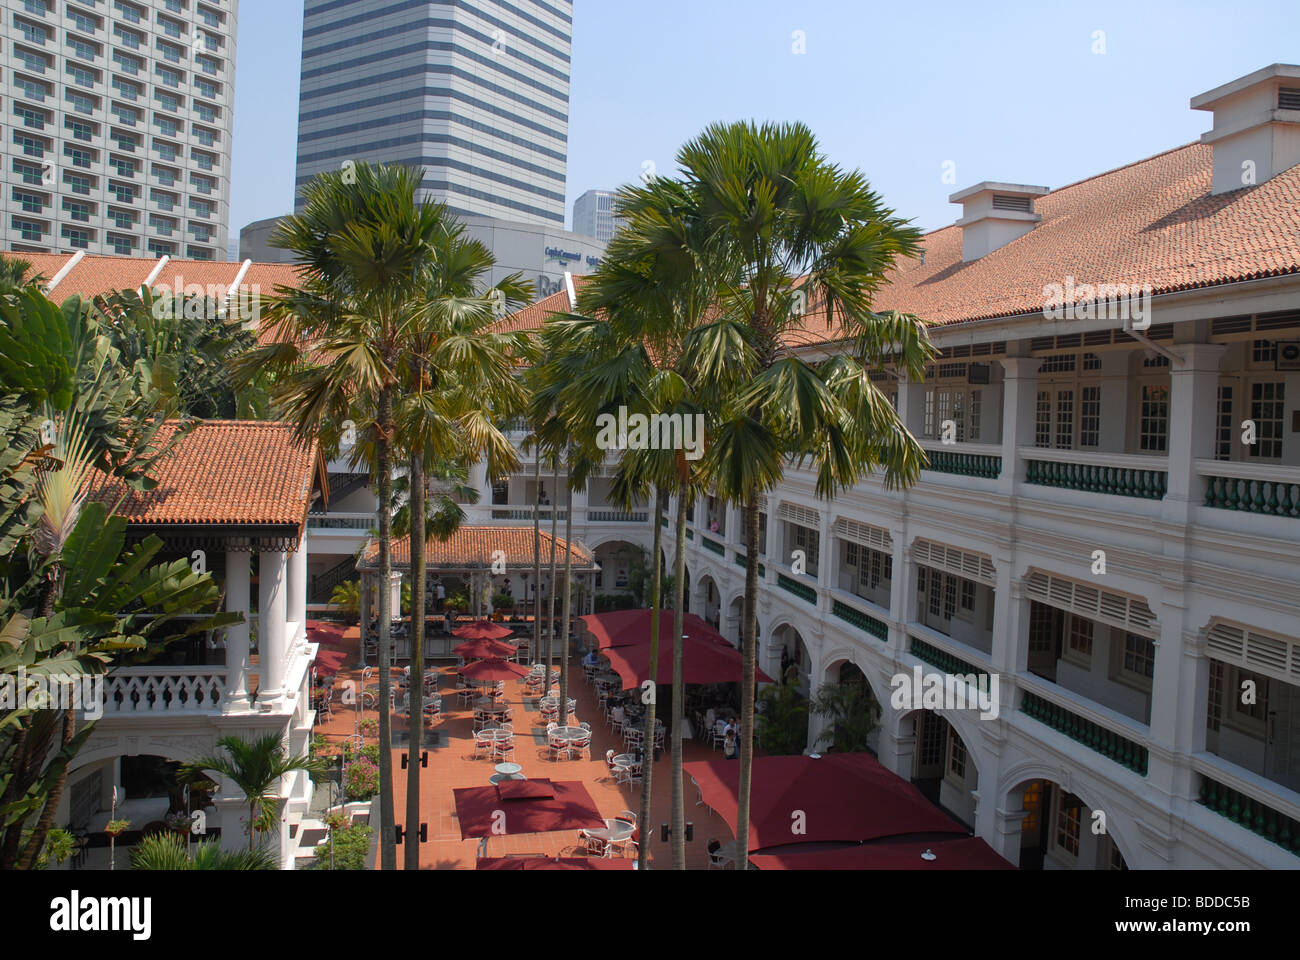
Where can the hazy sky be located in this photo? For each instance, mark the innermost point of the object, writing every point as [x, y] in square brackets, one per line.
[1005, 91]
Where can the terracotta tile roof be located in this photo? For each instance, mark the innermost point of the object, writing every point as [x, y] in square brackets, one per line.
[1152, 222]
[533, 316]
[474, 546]
[95, 275]
[224, 472]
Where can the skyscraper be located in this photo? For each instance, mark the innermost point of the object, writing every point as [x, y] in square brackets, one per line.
[474, 91]
[121, 126]
[593, 215]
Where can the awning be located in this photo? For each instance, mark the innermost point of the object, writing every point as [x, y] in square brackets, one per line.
[546, 863]
[482, 630]
[482, 812]
[966, 853]
[843, 798]
[623, 628]
[703, 661]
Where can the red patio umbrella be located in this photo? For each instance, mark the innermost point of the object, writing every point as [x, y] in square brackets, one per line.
[844, 798]
[483, 649]
[525, 806]
[482, 630]
[546, 863]
[622, 628]
[702, 662]
[965, 853]
[492, 670]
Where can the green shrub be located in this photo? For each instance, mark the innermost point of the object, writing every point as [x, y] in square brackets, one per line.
[351, 847]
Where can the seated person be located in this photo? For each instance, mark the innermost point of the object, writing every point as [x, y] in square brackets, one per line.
[617, 714]
[591, 659]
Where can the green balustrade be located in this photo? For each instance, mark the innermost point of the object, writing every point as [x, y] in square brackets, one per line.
[964, 464]
[1100, 739]
[801, 590]
[1254, 815]
[1094, 478]
[714, 546]
[1267, 497]
[942, 659]
[862, 621]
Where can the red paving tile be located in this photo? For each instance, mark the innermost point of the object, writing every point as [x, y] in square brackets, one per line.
[451, 765]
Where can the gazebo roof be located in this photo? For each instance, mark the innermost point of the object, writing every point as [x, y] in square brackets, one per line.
[479, 548]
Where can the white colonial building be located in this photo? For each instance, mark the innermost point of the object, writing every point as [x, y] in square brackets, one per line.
[233, 499]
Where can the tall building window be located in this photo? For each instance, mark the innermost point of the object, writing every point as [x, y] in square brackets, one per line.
[1153, 419]
[1267, 407]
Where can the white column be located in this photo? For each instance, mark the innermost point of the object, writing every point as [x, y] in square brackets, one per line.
[237, 652]
[902, 590]
[297, 587]
[1193, 408]
[1019, 396]
[395, 588]
[273, 614]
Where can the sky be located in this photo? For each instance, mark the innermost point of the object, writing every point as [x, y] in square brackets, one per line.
[924, 98]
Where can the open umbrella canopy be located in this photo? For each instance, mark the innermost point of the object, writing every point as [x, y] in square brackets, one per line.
[492, 670]
[703, 661]
[483, 649]
[546, 863]
[964, 853]
[623, 628]
[532, 806]
[838, 798]
[482, 630]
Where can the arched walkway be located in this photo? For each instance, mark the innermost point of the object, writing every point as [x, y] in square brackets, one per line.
[1061, 830]
[943, 766]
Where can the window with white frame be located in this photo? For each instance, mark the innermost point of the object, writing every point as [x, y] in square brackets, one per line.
[809, 541]
[1067, 411]
[1267, 406]
[1069, 813]
[956, 755]
[1153, 418]
[1137, 661]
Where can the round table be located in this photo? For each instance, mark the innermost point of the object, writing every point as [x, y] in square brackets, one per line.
[614, 831]
[553, 703]
[568, 733]
[484, 705]
[509, 769]
[624, 760]
[493, 733]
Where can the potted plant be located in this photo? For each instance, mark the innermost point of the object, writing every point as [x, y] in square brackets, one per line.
[503, 605]
[116, 828]
[180, 822]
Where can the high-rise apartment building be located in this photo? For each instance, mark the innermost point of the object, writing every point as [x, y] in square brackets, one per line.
[476, 93]
[117, 120]
[593, 215]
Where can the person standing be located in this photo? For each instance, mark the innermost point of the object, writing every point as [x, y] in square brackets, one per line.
[442, 595]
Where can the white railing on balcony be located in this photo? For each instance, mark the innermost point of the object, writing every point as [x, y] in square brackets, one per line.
[164, 690]
[342, 522]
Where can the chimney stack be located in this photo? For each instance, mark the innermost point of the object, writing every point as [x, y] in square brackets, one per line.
[1256, 131]
[994, 214]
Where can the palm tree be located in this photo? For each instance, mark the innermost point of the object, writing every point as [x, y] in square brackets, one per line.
[365, 244]
[799, 235]
[656, 284]
[460, 381]
[255, 768]
[167, 851]
[853, 713]
[347, 597]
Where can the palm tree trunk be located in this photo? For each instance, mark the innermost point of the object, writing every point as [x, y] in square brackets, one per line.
[42, 828]
[387, 824]
[678, 798]
[550, 611]
[537, 553]
[568, 600]
[415, 692]
[749, 632]
[647, 768]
